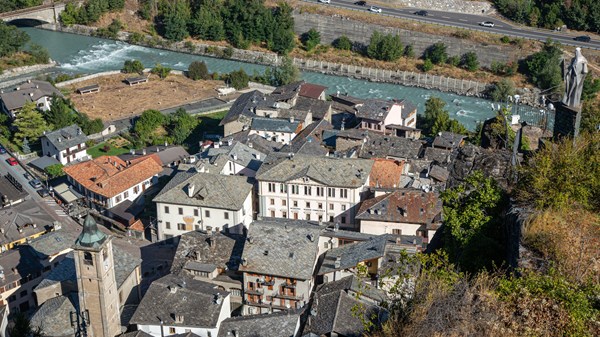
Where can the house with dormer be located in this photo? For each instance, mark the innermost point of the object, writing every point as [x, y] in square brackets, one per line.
[231, 157]
[386, 117]
[39, 92]
[312, 188]
[66, 145]
[203, 201]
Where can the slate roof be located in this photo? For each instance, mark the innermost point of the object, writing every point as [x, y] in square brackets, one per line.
[287, 91]
[448, 140]
[53, 316]
[18, 263]
[378, 109]
[274, 125]
[439, 173]
[308, 141]
[110, 175]
[291, 248]
[52, 243]
[17, 221]
[402, 206]
[382, 146]
[279, 324]
[441, 156]
[239, 153]
[386, 173]
[221, 250]
[210, 190]
[329, 171]
[166, 154]
[261, 144]
[332, 311]
[136, 334]
[351, 254]
[243, 105]
[67, 137]
[180, 295]
[16, 99]
[317, 107]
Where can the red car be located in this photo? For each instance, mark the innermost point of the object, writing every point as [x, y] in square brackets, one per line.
[12, 161]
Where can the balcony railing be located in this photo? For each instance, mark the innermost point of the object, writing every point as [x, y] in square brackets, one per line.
[254, 291]
[289, 297]
[291, 285]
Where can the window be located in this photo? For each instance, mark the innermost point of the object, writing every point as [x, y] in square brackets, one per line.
[126, 195]
[283, 202]
[343, 219]
[331, 192]
[283, 188]
[307, 204]
[166, 209]
[344, 193]
[295, 189]
[180, 210]
[181, 226]
[331, 207]
[320, 218]
[197, 227]
[171, 331]
[295, 203]
[168, 225]
[118, 199]
[307, 216]
[272, 214]
[320, 192]
[226, 215]
[295, 216]
[272, 201]
[88, 259]
[207, 213]
[195, 212]
[396, 231]
[343, 207]
[325, 244]
[271, 187]
[284, 214]
[136, 189]
[320, 205]
[307, 190]
[331, 218]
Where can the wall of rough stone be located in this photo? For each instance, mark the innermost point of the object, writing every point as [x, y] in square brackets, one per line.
[332, 27]
[461, 6]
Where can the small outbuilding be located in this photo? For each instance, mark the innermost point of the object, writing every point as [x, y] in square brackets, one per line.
[136, 80]
[90, 89]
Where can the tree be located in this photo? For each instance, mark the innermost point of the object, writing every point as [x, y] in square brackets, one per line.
[409, 51]
[207, 22]
[436, 53]
[436, 119]
[285, 73]
[133, 66]
[469, 61]
[175, 17]
[87, 125]
[21, 327]
[54, 171]
[60, 114]
[38, 53]
[29, 123]
[342, 43]
[311, 39]
[543, 67]
[197, 70]
[501, 90]
[282, 39]
[25, 147]
[385, 47]
[12, 39]
[591, 86]
[238, 79]
[161, 71]
[182, 125]
[147, 123]
[427, 65]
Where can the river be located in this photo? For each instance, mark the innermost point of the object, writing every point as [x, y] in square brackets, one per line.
[78, 54]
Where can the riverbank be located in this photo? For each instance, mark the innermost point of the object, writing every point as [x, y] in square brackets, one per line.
[15, 76]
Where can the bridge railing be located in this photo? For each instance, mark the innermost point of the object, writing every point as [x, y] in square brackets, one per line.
[26, 10]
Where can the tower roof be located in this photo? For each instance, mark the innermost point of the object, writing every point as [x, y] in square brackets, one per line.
[91, 236]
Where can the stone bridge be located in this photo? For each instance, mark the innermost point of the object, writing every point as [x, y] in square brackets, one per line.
[46, 13]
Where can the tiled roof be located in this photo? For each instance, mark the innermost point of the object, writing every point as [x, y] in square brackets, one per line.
[209, 190]
[311, 90]
[222, 250]
[282, 247]
[28, 92]
[386, 173]
[402, 206]
[198, 302]
[448, 140]
[53, 317]
[239, 153]
[67, 137]
[261, 144]
[243, 105]
[326, 170]
[274, 125]
[110, 175]
[278, 324]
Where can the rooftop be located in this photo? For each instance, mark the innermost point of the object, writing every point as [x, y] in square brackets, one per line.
[243, 106]
[350, 255]
[173, 295]
[274, 124]
[239, 153]
[53, 243]
[206, 190]
[67, 137]
[110, 175]
[282, 247]
[53, 316]
[403, 206]
[448, 140]
[386, 173]
[221, 250]
[328, 171]
[311, 90]
[279, 324]
[381, 146]
[22, 221]
[309, 140]
[29, 91]
[378, 109]
[166, 154]
[317, 107]
[91, 236]
[18, 263]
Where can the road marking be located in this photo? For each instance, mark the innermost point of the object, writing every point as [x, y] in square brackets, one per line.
[463, 20]
[446, 17]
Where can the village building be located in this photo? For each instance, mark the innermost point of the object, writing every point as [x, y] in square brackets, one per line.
[67, 145]
[39, 92]
[233, 158]
[382, 115]
[280, 324]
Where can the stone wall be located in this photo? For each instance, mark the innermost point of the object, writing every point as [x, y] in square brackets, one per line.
[461, 6]
[332, 28]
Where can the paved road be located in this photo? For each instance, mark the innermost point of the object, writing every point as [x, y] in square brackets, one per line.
[470, 21]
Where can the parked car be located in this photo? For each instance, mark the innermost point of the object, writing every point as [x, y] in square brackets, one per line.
[27, 176]
[12, 161]
[325, 1]
[422, 13]
[2, 150]
[487, 24]
[35, 183]
[375, 9]
[361, 3]
[583, 38]
[43, 192]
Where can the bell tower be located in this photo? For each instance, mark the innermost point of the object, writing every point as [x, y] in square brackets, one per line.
[96, 284]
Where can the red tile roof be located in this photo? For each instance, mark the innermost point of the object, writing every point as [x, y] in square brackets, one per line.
[311, 90]
[109, 175]
[386, 173]
[402, 206]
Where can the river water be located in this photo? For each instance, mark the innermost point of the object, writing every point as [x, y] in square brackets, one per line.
[79, 54]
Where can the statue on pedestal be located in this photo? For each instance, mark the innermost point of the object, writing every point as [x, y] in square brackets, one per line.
[574, 76]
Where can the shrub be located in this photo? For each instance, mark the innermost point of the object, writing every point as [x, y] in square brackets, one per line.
[311, 39]
[505, 39]
[427, 65]
[135, 38]
[228, 52]
[409, 51]
[106, 148]
[197, 70]
[161, 71]
[384, 47]
[436, 53]
[133, 66]
[342, 43]
[54, 171]
[501, 90]
[238, 79]
[469, 61]
[453, 61]
[38, 53]
[189, 46]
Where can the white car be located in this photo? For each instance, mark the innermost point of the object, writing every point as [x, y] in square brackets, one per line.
[325, 1]
[487, 24]
[375, 9]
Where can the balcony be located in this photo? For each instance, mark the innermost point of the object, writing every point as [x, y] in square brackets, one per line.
[291, 285]
[289, 297]
[254, 291]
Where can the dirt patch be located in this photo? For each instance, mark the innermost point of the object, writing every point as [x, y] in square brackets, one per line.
[117, 100]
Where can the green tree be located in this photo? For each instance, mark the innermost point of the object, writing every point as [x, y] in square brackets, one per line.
[436, 53]
[543, 67]
[182, 125]
[282, 39]
[161, 71]
[591, 86]
[427, 65]
[197, 70]
[54, 171]
[29, 123]
[384, 47]
[311, 39]
[342, 43]
[501, 90]
[12, 40]
[238, 79]
[38, 53]
[133, 66]
[437, 119]
[409, 51]
[176, 15]
[207, 22]
[469, 61]
[60, 114]
[147, 123]
[87, 125]
[590, 117]
[285, 73]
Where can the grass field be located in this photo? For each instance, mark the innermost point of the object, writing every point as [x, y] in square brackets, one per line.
[115, 149]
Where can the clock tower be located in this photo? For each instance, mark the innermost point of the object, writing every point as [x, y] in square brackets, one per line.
[96, 283]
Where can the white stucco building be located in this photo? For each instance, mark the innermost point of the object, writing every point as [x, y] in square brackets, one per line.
[39, 92]
[381, 115]
[66, 145]
[204, 201]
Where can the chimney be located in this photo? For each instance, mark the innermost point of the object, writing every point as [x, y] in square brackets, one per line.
[30, 94]
[216, 145]
[244, 262]
[229, 142]
[338, 262]
[292, 119]
[250, 145]
[311, 237]
[258, 156]
[212, 243]
[79, 131]
[172, 289]
[178, 318]
[235, 157]
[190, 190]
[28, 81]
